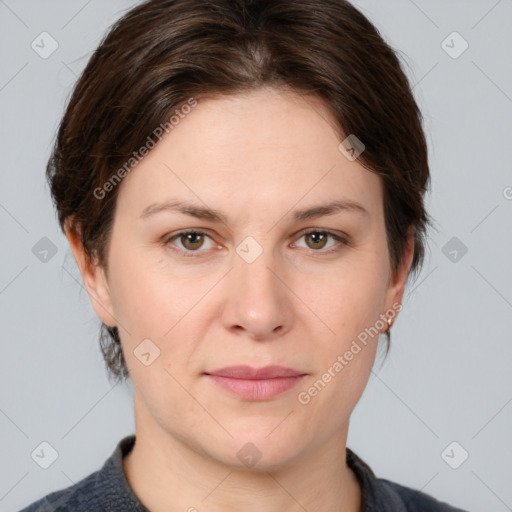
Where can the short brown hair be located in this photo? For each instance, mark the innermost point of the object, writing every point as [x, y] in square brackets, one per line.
[164, 52]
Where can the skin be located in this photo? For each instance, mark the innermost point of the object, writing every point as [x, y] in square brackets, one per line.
[257, 158]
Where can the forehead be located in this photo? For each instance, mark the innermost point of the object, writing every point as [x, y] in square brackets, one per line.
[260, 150]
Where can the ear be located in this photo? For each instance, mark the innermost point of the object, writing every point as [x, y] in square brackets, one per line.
[93, 276]
[397, 282]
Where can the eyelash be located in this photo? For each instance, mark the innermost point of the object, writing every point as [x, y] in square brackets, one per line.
[188, 254]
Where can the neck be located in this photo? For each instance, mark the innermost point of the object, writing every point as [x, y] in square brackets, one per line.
[167, 474]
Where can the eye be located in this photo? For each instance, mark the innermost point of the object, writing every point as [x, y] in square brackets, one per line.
[186, 243]
[317, 239]
[190, 241]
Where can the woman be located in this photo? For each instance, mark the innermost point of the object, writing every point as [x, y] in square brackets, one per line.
[241, 184]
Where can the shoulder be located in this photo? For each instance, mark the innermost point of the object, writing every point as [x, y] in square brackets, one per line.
[105, 489]
[382, 495]
[412, 500]
[80, 496]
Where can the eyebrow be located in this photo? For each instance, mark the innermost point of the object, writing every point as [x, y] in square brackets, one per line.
[213, 215]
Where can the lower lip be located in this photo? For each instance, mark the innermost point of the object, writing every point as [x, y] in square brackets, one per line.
[256, 389]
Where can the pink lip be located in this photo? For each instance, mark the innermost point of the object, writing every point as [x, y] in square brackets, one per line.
[248, 372]
[255, 383]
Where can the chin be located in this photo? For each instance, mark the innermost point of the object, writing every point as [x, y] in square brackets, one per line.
[253, 449]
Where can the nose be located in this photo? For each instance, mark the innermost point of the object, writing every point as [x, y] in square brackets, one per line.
[258, 301]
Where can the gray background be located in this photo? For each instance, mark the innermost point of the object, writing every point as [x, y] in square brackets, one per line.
[448, 377]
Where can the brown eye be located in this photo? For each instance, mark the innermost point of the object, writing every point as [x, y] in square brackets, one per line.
[190, 243]
[318, 239]
[192, 240]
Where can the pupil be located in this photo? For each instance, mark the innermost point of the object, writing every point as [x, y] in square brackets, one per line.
[191, 236]
[317, 236]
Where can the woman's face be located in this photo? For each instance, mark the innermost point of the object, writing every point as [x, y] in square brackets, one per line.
[252, 288]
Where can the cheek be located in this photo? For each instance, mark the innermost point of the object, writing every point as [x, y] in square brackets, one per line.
[154, 302]
[145, 301]
[344, 358]
[347, 302]
[356, 302]
[138, 299]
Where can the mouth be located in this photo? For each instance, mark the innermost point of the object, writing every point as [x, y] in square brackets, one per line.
[255, 383]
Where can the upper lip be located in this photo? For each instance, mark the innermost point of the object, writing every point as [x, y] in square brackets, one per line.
[248, 372]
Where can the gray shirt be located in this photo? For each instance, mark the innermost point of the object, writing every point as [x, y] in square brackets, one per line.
[107, 490]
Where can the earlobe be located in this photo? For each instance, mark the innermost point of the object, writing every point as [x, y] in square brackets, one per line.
[93, 277]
